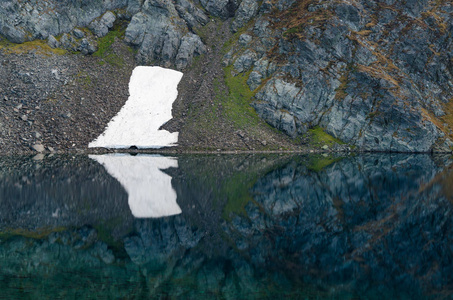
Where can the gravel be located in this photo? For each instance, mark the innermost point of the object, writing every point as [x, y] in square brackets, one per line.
[59, 102]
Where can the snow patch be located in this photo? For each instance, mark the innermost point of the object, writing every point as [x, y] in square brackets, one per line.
[152, 93]
[151, 194]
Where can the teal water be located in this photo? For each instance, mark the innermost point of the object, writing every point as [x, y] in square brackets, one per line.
[374, 226]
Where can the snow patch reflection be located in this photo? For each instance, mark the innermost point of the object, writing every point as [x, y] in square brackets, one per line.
[151, 194]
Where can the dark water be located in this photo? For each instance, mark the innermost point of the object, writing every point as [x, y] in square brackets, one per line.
[244, 226]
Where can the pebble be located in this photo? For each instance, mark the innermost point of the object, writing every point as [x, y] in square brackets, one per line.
[39, 156]
[38, 148]
[41, 111]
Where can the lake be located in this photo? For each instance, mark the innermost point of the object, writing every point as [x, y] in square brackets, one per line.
[370, 226]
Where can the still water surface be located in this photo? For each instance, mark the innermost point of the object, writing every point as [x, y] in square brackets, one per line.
[226, 226]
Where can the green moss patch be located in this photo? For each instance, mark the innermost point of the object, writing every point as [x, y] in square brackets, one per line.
[319, 162]
[238, 102]
[236, 187]
[105, 43]
[318, 137]
[105, 46]
[104, 230]
[84, 79]
[293, 31]
[237, 192]
[38, 46]
[233, 40]
[37, 234]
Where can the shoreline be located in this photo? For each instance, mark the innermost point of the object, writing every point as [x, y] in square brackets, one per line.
[175, 151]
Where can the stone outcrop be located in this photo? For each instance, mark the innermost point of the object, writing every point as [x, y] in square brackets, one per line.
[159, 29]
[221, 8]
[26, 21]
[162, 37]
[76, 41]
[246, 11]
[375, 75]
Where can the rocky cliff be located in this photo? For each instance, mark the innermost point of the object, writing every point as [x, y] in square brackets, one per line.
[373, 75]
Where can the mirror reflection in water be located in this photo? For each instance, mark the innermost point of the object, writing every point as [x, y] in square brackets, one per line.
[149, 188]
[226, 226]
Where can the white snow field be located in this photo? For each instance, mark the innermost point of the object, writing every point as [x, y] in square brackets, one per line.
[152, 93]
[151, 194]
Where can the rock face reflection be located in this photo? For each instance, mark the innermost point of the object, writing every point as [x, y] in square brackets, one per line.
[371, 226]
[364, 222]
[56, 192]
[150, 192]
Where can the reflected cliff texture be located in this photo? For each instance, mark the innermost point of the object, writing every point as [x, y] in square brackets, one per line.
[251, 226]
[40, 194]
